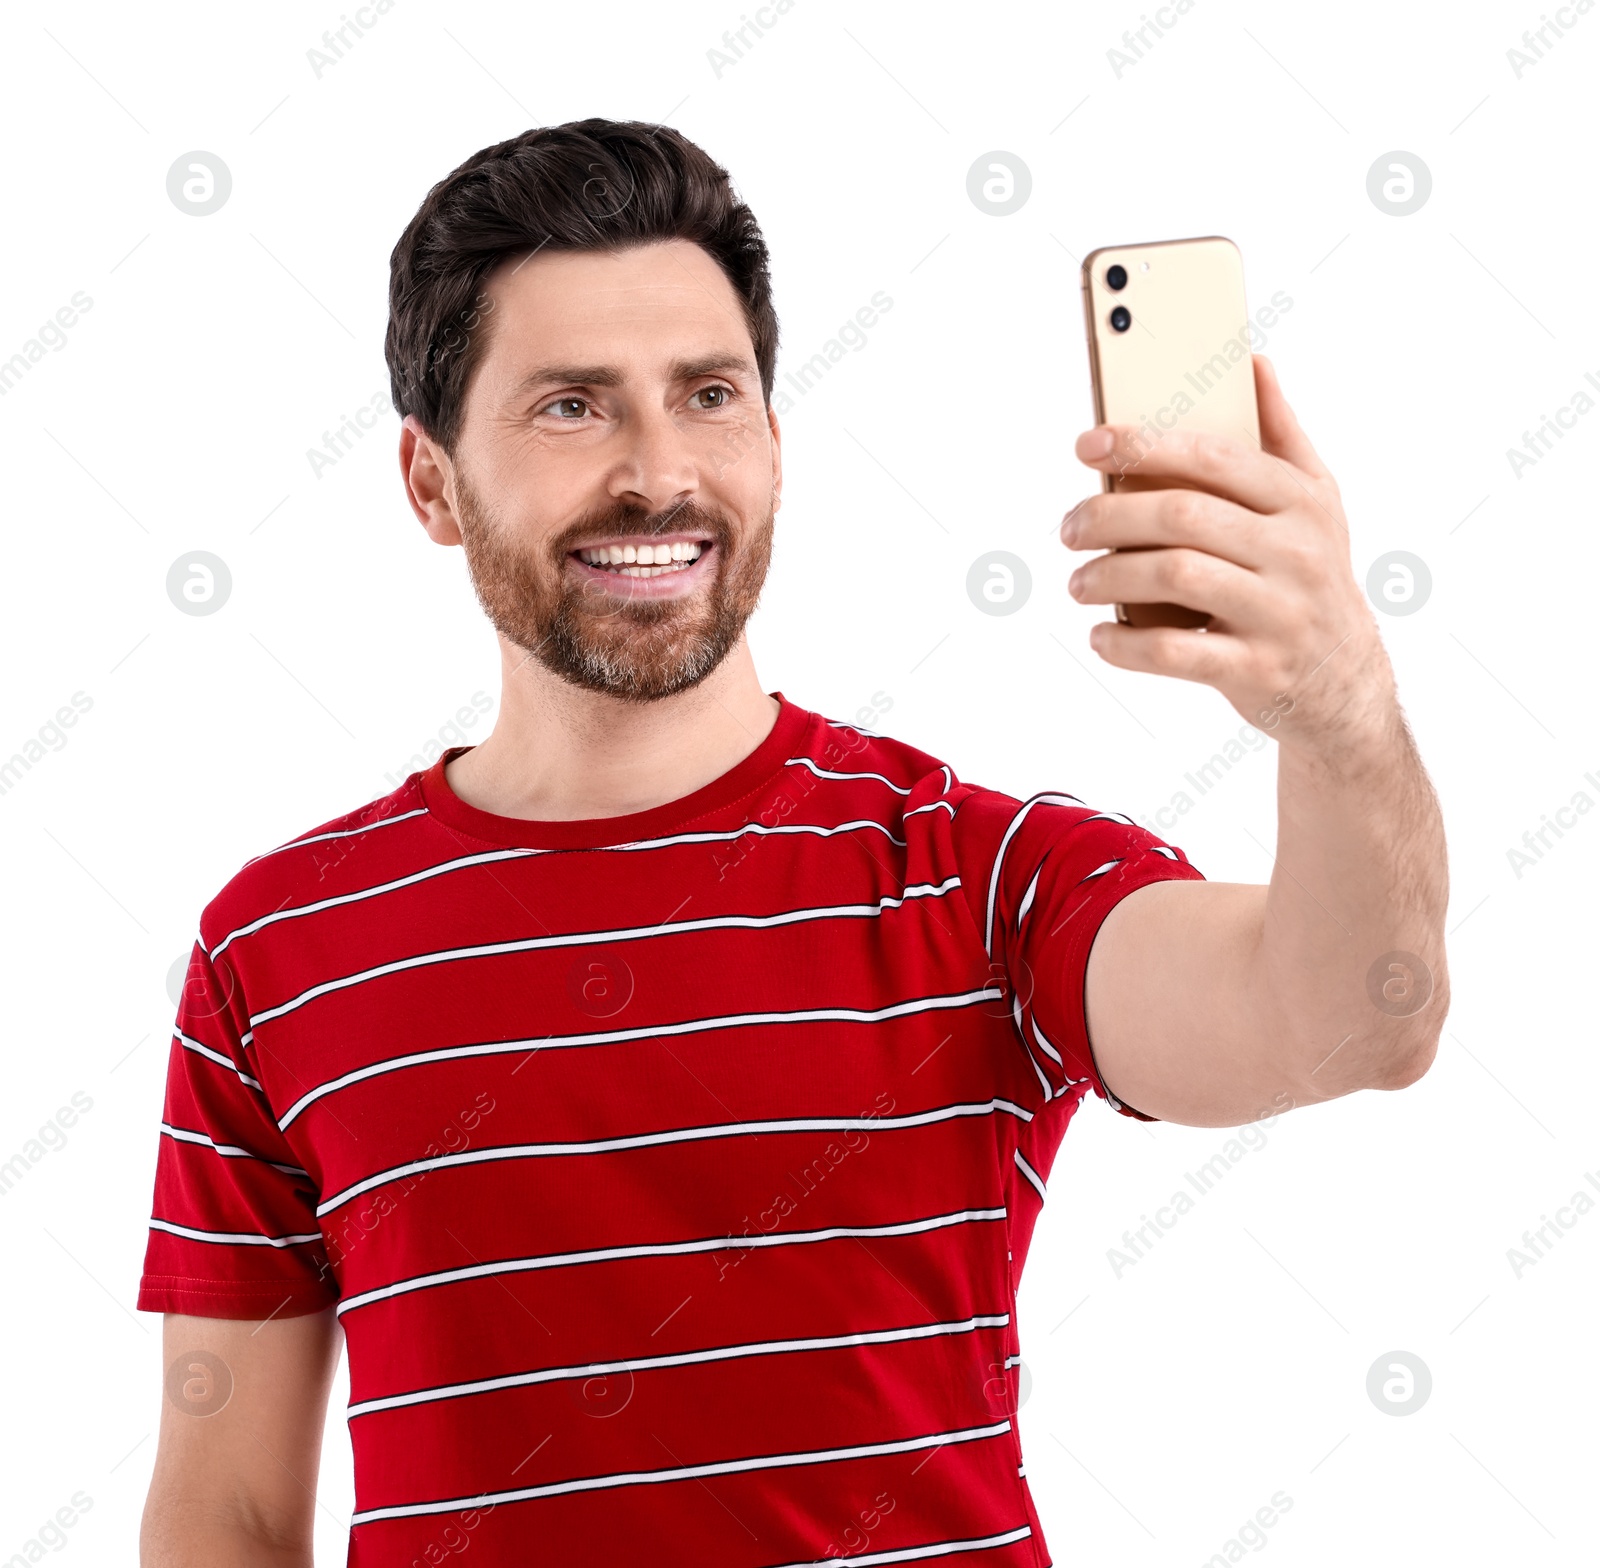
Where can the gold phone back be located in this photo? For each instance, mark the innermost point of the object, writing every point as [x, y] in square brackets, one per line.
[1183, 363]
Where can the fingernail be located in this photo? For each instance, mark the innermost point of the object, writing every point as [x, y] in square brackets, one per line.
[1096, 444]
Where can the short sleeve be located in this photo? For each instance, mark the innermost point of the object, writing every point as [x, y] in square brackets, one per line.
[233, 1228]
[1041, 876]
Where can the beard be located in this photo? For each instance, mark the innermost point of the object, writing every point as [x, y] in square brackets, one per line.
[595, 638]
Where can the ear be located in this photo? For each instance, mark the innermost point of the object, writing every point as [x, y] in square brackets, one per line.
[777, 457]
[429, 479]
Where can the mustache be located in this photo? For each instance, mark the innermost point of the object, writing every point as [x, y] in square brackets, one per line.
[634, 523]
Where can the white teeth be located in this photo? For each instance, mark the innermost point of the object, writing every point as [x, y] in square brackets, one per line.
[644, 560]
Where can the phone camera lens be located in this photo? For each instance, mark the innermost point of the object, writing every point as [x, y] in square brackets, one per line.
[1116, 276]
[1120, 319]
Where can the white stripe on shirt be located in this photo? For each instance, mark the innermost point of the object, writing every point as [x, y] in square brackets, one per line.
[441, 869]
[322, 838]
[1027, 899]
[787, 917]
[874, 1015]
[235, 1238]
[647, 1140]
[187, 1135]
[1000, 856]
[662, 1249]
[593, 1483]
[217, 1057]
[1029, 1172]
[521, 853]
[827, 773]
[769, 1347]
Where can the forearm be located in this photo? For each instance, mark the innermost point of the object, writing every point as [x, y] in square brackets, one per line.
[1352, 943]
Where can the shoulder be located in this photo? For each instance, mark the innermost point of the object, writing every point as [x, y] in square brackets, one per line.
[850, 750]
[852, 753]
[319, 859]
[980, 821]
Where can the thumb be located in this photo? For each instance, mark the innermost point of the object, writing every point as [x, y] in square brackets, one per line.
[1281, 435]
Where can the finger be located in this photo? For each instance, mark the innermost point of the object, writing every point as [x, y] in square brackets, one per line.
[1172, 576]
[1209, 658]
[1116, 520]
[1218, 464]
[1281, 435]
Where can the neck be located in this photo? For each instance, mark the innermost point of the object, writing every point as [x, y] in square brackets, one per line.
[558, 753]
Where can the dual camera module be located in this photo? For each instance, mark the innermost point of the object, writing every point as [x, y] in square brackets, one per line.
[1117, 278]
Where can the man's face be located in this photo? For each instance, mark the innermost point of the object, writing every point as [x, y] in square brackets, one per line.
[617, 473]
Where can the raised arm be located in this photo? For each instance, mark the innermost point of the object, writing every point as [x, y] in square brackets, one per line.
[242, 1415]
[1213, 1003]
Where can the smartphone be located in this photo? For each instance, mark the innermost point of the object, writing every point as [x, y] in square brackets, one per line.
[1169, 349]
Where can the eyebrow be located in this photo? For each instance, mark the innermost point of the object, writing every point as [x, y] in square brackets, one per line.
[610, 376]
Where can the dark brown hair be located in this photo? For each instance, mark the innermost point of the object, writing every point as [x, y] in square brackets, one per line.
[587, 185]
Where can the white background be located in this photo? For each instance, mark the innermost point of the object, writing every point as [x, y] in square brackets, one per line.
[1231, 1363]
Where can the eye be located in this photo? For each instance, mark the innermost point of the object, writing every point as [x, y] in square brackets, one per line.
[725, 394]
[559, 402]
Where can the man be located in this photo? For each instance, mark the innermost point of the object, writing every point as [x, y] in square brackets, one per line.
[661, 1094]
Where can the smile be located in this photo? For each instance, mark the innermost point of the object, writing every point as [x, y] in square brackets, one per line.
[638, 569]
[642, 560]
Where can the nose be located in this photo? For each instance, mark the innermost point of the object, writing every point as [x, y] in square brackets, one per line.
[656, 466]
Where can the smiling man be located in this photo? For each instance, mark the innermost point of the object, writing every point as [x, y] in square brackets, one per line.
[660, 1095]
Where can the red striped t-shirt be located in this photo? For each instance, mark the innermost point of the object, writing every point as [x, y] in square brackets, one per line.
[671, 1174]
